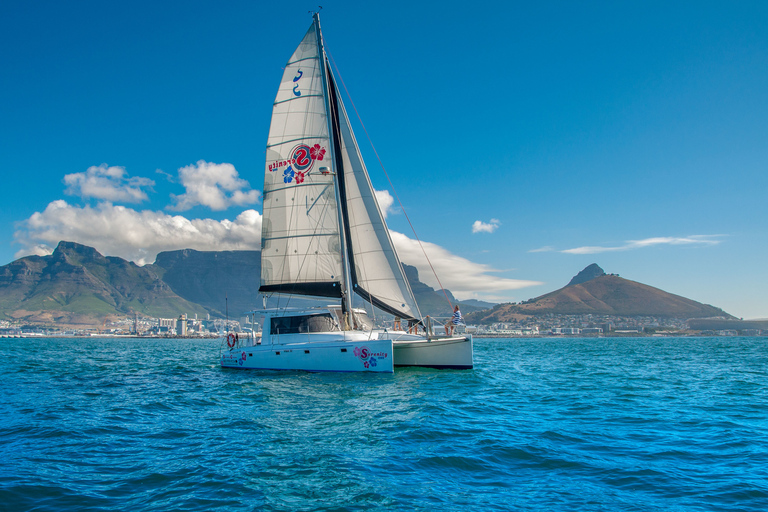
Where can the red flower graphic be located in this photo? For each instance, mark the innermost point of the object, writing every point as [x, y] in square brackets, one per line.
[299, 177]
[317, 152]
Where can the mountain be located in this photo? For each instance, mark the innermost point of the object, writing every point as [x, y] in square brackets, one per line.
[480, 304]
[207, 277]
[592, 271]
[433, 302]
[592, 291]
[217, 280]
[78, 285]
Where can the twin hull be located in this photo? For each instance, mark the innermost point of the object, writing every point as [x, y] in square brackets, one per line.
[317, 356]
[368, 355]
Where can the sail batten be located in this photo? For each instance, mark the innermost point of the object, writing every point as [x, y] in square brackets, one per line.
[299, 139]
[294, 99]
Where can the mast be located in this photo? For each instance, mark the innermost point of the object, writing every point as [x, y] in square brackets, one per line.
[333, 132]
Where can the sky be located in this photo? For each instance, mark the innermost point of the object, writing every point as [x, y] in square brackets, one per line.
[524, 140]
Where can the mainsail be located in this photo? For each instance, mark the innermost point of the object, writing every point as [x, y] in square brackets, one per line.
[312, 158]
[300, 235]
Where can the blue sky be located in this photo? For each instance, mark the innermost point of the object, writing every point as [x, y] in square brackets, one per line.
[629, 134]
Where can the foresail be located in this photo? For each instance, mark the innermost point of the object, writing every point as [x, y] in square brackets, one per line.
[300, 250]
[377, 275]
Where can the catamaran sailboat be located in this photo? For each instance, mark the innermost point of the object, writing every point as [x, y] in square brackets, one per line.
[323, 235]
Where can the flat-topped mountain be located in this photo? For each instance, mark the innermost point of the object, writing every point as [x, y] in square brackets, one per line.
[207, 277]
[593, 291]
[217, 280]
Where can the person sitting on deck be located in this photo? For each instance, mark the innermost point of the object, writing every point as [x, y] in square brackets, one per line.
[453, 322]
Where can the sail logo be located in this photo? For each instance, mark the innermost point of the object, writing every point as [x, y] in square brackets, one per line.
[296, 91]
[300, 163]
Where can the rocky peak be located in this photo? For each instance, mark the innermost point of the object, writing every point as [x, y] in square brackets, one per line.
[589, 273]
[75, 253]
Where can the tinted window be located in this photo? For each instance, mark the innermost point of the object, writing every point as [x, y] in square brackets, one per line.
[303, 324]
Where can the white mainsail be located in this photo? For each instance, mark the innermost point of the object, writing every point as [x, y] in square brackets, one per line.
[304, 247]
[300, 250]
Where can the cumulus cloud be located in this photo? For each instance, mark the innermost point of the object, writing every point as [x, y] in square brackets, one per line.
[216, 186]
[139, 235]
[107, 183]
[483, 227]
[463, 277]
[648, 242]
[134, 235]
[386, 202]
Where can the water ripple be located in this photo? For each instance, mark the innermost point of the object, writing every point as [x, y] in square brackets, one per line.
[642, 424]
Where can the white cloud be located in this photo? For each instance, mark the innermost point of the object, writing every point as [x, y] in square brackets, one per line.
[648, 242]
[139, 235]
[134, 235]
[216, 186]
[482, 227]
[107, 183]
[463, 277]
[546, 248]
[385, 200]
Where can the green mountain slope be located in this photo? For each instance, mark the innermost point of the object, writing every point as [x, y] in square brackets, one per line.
[78, 285]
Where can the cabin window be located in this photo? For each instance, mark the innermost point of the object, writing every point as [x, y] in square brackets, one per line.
[301, 324]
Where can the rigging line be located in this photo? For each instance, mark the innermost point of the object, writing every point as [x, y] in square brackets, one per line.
[421, 246]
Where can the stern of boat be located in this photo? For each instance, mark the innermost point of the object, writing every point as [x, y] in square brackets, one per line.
[455, 353]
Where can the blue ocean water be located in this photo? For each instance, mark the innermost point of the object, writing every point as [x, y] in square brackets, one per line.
[645, 424]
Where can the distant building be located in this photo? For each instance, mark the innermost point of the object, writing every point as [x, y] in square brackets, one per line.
[181, 326]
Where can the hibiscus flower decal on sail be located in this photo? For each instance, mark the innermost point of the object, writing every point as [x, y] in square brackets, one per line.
[317, 152]
[299, 177]
[301, 159]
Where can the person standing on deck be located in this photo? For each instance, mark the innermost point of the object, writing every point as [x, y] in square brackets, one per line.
[453, 322]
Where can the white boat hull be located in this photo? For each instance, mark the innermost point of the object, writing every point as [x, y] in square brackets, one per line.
[444, 353]
[317, 356]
